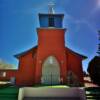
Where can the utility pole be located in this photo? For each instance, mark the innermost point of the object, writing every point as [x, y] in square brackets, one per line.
[98, 52]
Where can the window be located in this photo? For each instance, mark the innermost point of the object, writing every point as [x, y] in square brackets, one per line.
[72, 79]
[13, 80]
[2, 74]
[51, 22]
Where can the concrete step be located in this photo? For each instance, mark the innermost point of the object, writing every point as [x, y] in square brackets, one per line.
[49, 98]
[30, 93]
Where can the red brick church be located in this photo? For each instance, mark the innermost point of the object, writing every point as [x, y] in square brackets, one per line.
[50, 62]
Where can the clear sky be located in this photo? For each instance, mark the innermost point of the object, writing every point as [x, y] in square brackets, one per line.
[19, 20]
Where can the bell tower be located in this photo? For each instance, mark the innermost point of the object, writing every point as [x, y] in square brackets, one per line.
[51, 54]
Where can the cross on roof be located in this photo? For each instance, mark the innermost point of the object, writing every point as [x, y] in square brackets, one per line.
[51, 10]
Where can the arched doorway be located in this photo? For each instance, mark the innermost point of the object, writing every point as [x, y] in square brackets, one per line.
[50, 71]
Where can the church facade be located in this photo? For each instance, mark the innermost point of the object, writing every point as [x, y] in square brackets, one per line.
[50, 62]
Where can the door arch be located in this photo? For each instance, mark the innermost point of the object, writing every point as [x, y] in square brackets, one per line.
[50, 71]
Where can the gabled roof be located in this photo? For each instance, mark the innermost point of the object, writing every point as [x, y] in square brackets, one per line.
[71, 51]
[35, 48]
[25, 52]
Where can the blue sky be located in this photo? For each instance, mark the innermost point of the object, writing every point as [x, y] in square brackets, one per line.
[19, 20]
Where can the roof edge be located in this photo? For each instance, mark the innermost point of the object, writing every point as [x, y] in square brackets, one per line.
[23, 53]
[84, 57]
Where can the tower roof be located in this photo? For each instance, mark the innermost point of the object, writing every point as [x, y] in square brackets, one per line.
[51, 19]
[48, 14]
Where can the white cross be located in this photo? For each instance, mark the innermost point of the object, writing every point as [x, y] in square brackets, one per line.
[51, 10]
